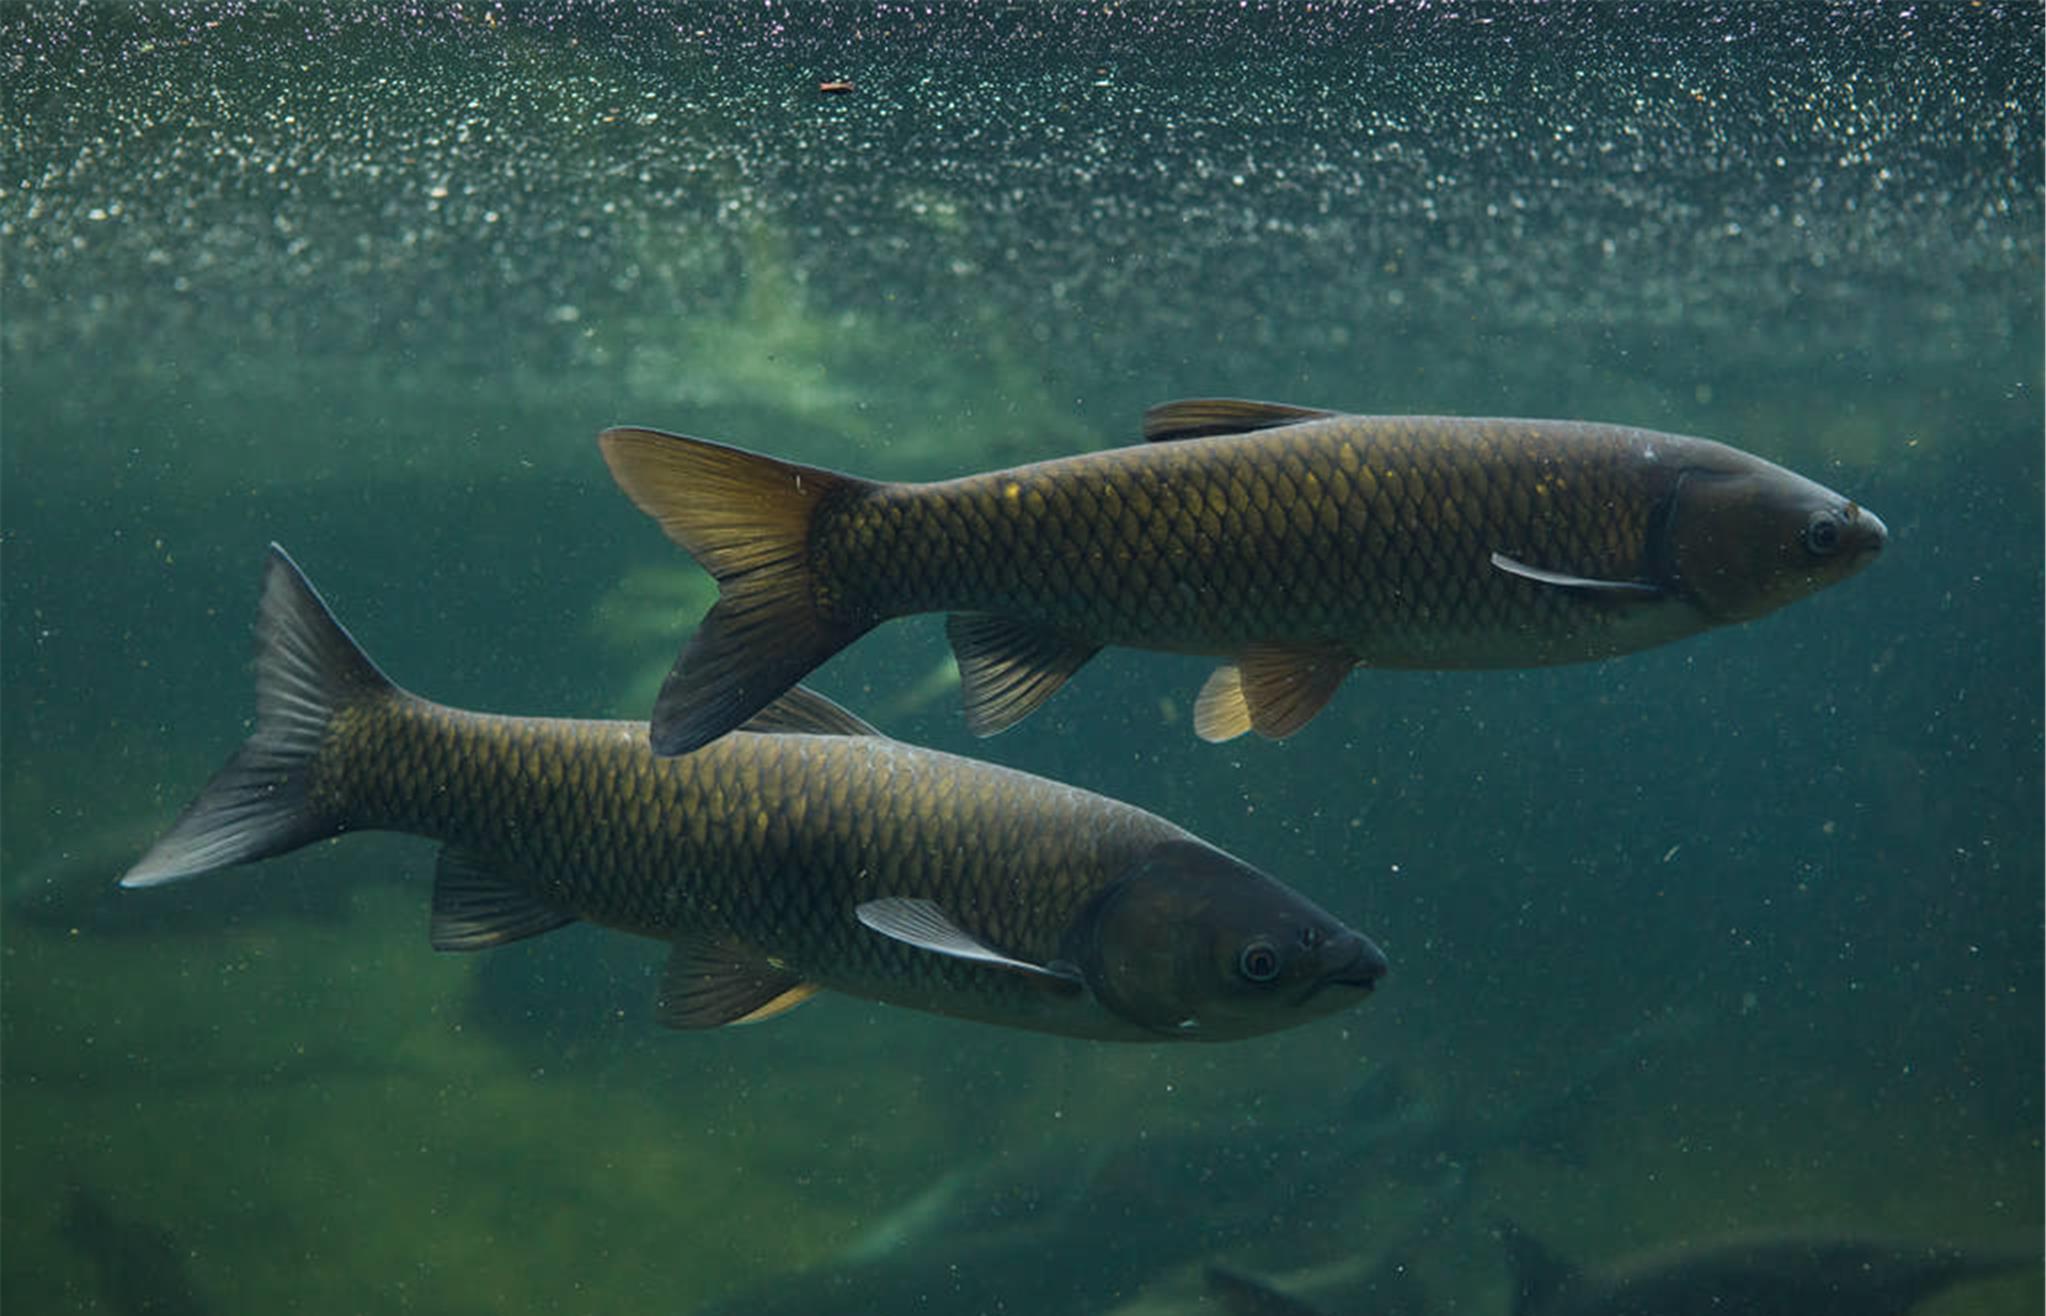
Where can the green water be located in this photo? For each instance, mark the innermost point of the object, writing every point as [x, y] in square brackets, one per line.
[368, 280]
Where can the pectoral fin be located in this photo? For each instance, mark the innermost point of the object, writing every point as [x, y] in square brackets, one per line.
[1273, 690]
[1563, 580]
[709, 983]
[475, 906]
[921, 923]
[1008, 667]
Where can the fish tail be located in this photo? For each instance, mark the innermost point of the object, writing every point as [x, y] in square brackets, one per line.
[308, 670]
[746, 519]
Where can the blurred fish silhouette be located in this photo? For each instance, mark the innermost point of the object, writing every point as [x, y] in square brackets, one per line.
[1078, 1224]
[142, 1269]
[1294, 543]
[1120, 1214]
[1763, 1275]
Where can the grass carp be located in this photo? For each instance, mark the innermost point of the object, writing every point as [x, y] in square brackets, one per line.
[804, 852]
[1295, 544]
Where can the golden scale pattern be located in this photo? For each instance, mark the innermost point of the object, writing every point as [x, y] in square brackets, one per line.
[1350, 528]
[772, 838]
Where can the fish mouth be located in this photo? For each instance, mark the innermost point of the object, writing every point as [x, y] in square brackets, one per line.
[1363, 970]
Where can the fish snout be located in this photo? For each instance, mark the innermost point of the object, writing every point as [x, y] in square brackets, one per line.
[1362, 967]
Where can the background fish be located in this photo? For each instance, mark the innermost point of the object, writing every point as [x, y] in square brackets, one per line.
[1764, 1275]
[1278, 1185]
[1296, 543]
[1760, 1275]
[807, 852]
[142, 1269]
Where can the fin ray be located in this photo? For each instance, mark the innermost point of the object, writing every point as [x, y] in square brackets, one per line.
[710, 982]
[1220, 710]
[307, 670]
[802, 711]
[1285, 687]
[923, 924]
[746, 520]
[476, 907]
[1564, 580]
[780, 1005]
[1009, 667]
[1199, 418]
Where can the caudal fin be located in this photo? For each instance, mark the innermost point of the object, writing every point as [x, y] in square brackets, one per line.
[307, 670]
[746, 520]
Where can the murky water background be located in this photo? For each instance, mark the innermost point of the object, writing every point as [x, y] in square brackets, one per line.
[1737, 935]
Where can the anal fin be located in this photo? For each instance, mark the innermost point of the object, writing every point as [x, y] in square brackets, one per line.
[1273, 690]
[475, 906]
[710, 982]
[1008, 667]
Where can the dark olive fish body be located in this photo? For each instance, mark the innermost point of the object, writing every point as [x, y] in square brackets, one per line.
[806, 852]
[1296, 544]
[762, 840]
[1373, 535]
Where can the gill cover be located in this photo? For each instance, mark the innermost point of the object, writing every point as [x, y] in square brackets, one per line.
[1745, 538]
[1193, 943]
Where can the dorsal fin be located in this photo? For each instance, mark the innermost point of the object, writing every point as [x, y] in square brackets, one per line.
[1200, 418]
[802, 711]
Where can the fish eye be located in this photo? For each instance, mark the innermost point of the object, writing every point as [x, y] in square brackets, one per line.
[1822, 534]
[1259, 961]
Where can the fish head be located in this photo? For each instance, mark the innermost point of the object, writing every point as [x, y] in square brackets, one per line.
[1190, 942]
[1743, 537]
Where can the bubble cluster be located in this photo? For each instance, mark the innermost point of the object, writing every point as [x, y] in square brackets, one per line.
[1125, 202]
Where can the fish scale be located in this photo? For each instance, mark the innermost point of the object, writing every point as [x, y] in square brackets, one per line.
[1294, 544]
[858, 817]
[804, 852]
[1272, 541]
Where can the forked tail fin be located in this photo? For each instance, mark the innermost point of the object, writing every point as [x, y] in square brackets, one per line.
[746, 520]
[307, 670]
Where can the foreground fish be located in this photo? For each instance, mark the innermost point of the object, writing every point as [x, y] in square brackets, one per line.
[1295, 543]
[806, 852]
